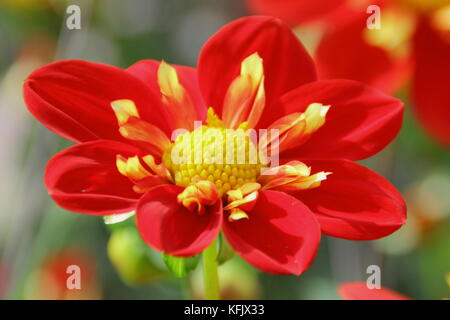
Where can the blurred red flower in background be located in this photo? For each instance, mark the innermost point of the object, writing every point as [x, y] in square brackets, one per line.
[50, 280]
[255, 74]
[3, 278]
[360, 291]
[413, 42]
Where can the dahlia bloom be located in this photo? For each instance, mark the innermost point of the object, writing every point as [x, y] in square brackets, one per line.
[412, 43]
[253, 73]
[359, 291]
[3, 279]
[50, 280]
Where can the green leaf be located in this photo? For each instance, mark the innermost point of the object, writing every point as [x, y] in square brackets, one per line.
[226, 252]
[180, 266]
[116, 218]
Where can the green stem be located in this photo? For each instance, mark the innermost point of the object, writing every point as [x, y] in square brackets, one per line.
[210, 274]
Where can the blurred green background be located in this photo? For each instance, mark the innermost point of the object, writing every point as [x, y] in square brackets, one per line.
[38, 240]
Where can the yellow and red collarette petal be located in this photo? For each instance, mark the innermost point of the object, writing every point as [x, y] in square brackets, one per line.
[291, 169]
[180, 107]
[131, 167]
[242, 200]
[198, 195]
[144, 185]
[303, 183]
[245, 99]
[142, 177]
[293, 176]
[237, 214]
[249, 187]
[245, 203]
[149, 135]
[159, 169]
[124, 109]
[284, 132]
[134, 128]
[294, 129]
[315, 117]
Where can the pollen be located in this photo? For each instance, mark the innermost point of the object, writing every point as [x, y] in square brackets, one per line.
[226, 157]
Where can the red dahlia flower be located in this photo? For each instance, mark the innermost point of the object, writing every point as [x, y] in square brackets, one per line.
[3, 279]
[59, 272]
[414, 38]
[253, 73]
[360, 291]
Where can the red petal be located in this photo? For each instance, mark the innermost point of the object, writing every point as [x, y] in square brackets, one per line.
[169, 227]
[147, 71]
[84, 178]
[294, 12]
[343, 53]
[360, 291]
[286, 63]
[354, 202]
[281, 235]
[431, 82]
[360, 122]
[73, 97]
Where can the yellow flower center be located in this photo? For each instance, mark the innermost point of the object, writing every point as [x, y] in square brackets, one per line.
[226, 157]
